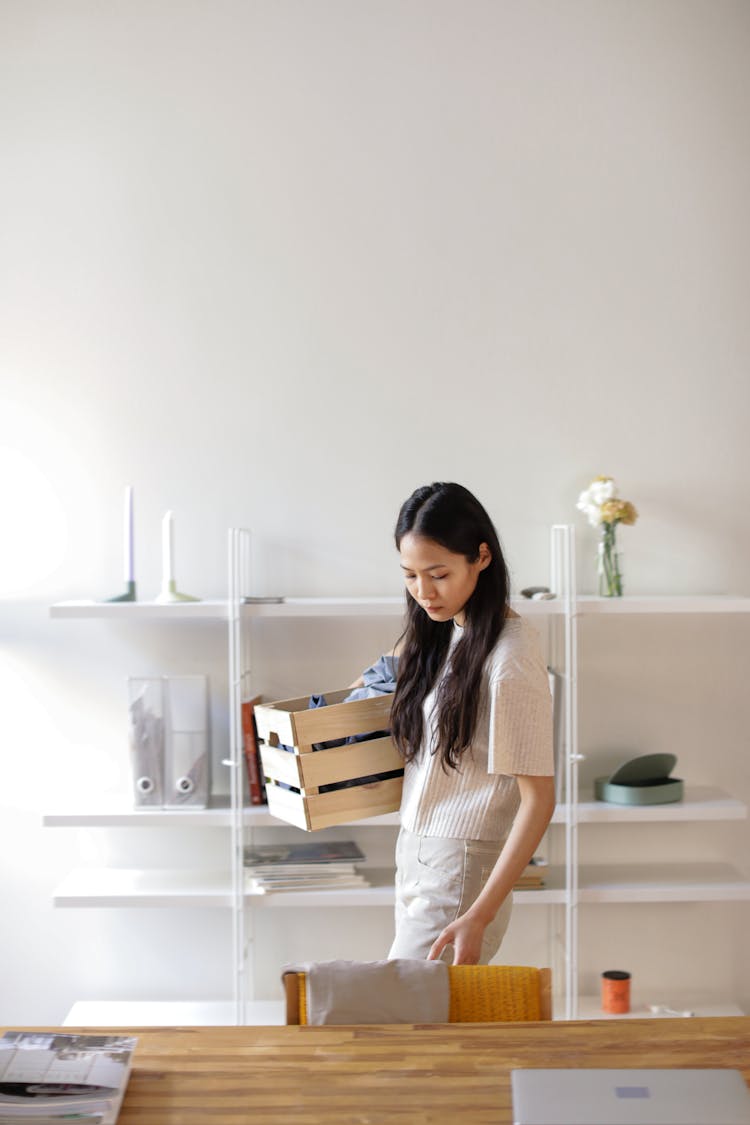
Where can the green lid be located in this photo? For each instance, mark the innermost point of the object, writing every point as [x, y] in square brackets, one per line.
[641, 781]
[644, 770]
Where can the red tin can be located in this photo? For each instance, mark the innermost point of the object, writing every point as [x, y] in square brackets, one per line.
[615, 992]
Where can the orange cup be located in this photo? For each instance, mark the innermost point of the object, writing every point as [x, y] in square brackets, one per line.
[615, 992]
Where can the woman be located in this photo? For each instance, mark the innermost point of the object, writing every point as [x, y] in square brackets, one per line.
[472, 718]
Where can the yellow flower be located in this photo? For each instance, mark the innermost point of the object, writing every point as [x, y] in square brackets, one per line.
[618, 511]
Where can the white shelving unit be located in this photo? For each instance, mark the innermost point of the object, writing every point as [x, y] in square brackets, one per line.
[567, 885]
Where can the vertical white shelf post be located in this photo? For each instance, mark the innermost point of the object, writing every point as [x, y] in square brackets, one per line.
[563, 579]
[239, 565]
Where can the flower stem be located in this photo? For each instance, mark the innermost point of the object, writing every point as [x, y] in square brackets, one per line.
[610, 578]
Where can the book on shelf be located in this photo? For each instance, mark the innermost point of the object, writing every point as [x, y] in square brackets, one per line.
[310, 881]
[303, 867]
[253, 768]
[48, 1077]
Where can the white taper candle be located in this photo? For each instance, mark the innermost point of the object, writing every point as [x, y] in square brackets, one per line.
[128, 536]
[167, 548]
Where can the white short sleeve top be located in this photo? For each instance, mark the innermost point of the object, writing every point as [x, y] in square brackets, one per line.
[513, 736]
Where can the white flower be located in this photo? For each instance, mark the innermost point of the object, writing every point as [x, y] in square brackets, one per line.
[591, 510]
[591, 499]
[601, 489]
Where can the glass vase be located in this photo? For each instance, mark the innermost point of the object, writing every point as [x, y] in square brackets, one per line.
[608, 563]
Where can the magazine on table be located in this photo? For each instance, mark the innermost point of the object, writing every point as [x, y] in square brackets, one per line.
[48, 1077]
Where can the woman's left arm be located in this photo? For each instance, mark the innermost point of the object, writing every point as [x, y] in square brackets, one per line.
[533, 816]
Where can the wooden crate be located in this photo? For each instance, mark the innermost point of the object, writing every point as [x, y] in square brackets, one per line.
[291, 722]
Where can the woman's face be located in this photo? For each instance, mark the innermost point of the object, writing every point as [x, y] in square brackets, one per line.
[438, 580]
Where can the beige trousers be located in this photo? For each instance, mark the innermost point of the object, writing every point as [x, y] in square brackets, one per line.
[437, 880]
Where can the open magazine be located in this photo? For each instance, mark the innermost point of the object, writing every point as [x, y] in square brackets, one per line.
[49, 1077]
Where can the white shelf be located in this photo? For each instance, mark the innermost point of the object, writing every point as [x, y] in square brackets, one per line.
[171, 1013]
[328, 607]
[113, 811]
[118, 887]
[209, 610]
[116, 811]
[218, 610]
[382, 893]
[664, 603]
[213, 609]
[590, 1008]
[114, 886]
[698, 803]
[611, 883]
[662, 883]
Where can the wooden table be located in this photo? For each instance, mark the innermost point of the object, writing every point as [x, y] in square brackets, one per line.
[448, 1074]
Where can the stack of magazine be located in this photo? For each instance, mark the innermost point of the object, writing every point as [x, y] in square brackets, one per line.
[317, 866]
[47, 1077]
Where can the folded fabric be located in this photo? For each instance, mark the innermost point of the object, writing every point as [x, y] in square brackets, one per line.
[403, 990]
[378, 679]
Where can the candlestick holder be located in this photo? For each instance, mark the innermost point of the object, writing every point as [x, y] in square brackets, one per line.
[128, 596]
[170, 593]
[129, 565]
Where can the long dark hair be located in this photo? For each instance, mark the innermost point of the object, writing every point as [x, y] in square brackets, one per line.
[451, 516]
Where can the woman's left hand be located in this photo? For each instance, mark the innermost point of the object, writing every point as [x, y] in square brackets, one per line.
[465, 935]
[536, 806]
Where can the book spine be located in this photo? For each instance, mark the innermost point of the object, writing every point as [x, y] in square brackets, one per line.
[256, 787]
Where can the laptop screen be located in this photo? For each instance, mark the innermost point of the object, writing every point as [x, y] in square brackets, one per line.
[644, 1096]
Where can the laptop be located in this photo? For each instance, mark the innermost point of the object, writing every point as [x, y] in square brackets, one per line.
[654, 1096]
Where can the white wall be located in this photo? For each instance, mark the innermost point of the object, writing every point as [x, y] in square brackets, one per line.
[275, 264]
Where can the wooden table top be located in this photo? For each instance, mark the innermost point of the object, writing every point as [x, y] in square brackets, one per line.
[369, 1075]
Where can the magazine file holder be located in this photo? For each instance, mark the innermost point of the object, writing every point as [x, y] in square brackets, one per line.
[186, 742]
[146, 739]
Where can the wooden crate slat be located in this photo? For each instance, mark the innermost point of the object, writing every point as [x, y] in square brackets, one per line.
[286, 720]
[321, 724]
[326, 767]
[280, 765]
[289, 807]
[329, 809]
[272, 723]
[345, 763]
